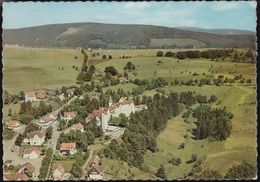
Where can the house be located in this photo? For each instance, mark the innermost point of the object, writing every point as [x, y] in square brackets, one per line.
[69, 115]
[12, 125]
[123, 79]
[95, 173]
[58, 172]
[54, 114]
[123, 106]
[27, 169]
[95, 160]
[102, 116]
[45, 121]
[41, 96]
[78, 127]
[62, 97]
[34, 96]
[15, 177]
[70, 92]
[140, 107]
[35, 137]
[68, 148]
[31, 153]
[30, 97]
[94, 97]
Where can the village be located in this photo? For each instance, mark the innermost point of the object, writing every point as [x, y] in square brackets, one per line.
[24, 162]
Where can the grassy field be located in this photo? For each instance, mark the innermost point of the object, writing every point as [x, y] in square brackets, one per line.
[241, 145]
[35, 69]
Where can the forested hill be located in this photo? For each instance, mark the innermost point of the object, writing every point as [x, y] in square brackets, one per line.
[97, 35]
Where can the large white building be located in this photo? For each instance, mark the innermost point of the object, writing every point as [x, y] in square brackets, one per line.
[123, 106]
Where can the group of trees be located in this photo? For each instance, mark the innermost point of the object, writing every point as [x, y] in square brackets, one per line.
[142, 129]
[9, 98]
[29, 112]
[86, 71]
[244, 170]
[129, 66]
[107, 57]
[80, 160]
[213, 54]
[213, 123]
[111, 70]
[8, 133]
[46, 162]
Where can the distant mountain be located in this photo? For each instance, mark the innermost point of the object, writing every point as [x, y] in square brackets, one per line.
[219, 31]
[116, 36]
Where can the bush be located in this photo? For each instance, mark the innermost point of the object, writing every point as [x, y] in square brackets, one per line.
[159, 54]
[242, 171]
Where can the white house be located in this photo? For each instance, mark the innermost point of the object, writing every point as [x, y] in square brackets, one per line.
[123, 106]
[95, 173]
[30, 97]
[78, 127]
[69, 116]
[45, 122]
[13, 125]
[35, 137]
[62, 97]
[68, 148]
[31, 153]
[58, 172]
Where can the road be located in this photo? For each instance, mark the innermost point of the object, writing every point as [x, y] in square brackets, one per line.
[55, 136]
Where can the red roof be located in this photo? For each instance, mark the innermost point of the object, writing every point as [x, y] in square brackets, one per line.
[28, 166]
[95, 159]
[78, 126]
[31, 94]
[12, 123]
[41, 95]
[16, 177]
[47, 119]
[59, 167]
[97, 112]
[67, 146]
[31, 149]
[71, 114]
[39, 133]
[55, 113]
[122, 101]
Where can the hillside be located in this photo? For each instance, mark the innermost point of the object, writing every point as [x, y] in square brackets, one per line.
[116, 36]
[219, 31]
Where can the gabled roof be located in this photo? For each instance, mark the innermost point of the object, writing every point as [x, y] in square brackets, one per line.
[60, 168]
[41, 95]
[97, 112]
[67, 146]
[16, 177]
[95, 159]
[39, 133]
[55, 113]
[71, 114]
[31, 94]
[27, 166]
[47, 119]
[78, 126]
[94, 168]
[31, 149]
[12, 123]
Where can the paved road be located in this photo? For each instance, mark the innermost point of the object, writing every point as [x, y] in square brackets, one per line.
[55, 135]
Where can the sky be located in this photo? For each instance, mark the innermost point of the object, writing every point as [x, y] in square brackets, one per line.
[223, 14]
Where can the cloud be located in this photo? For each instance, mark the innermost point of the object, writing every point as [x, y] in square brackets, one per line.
[223, 6]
